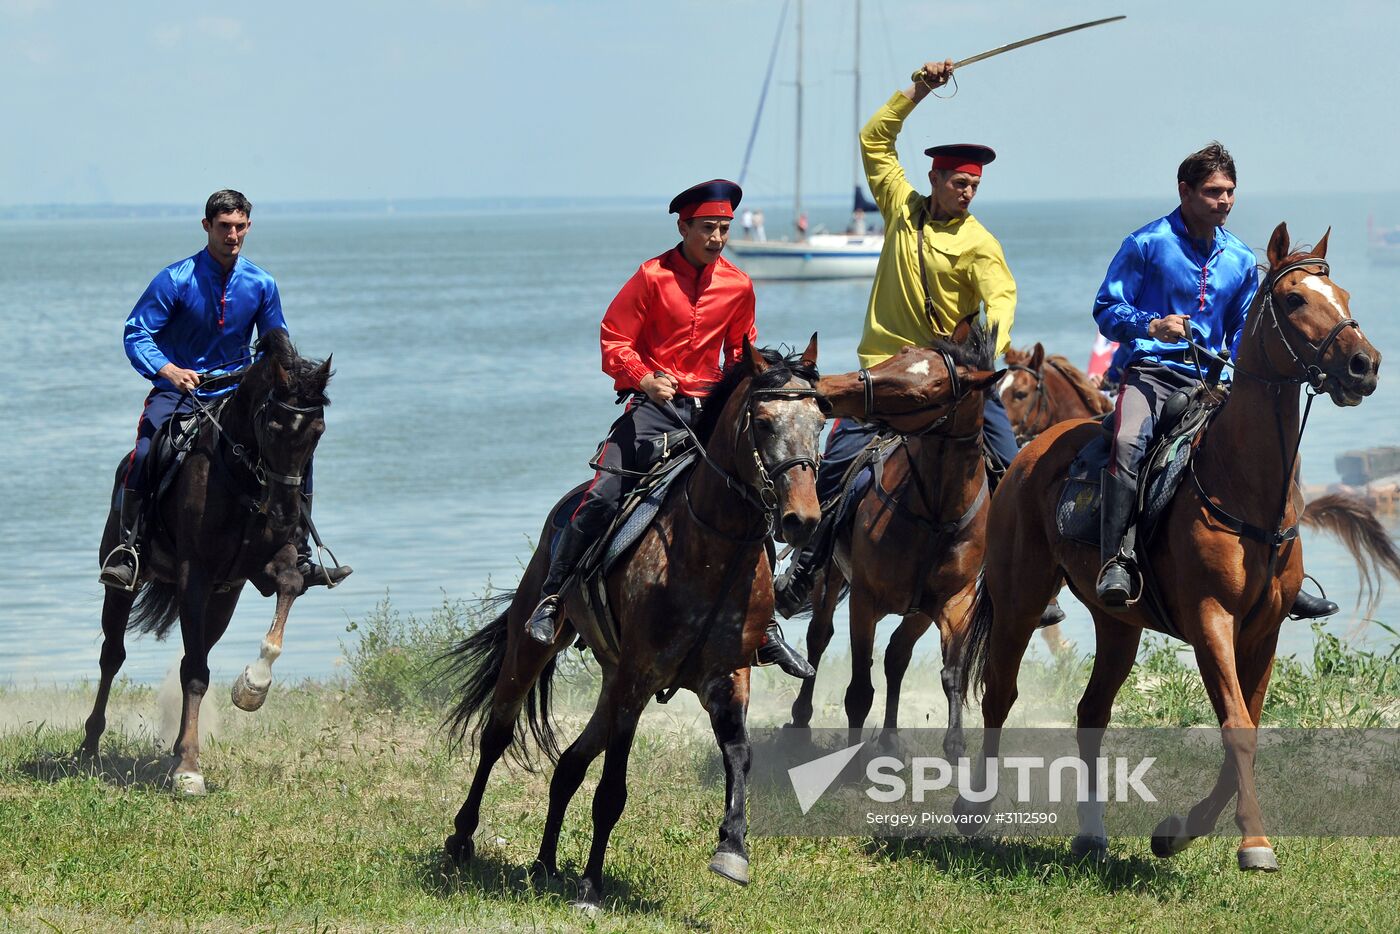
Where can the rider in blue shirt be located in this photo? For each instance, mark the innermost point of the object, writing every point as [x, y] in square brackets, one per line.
[196, 320]
[1180, 276]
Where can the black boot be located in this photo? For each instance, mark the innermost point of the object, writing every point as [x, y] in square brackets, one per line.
[313, 574]
[1115, 583]
[573, 542]
[1306, 606]
[121, 567]
[791, 588]
[1051, 615]
[775, 650]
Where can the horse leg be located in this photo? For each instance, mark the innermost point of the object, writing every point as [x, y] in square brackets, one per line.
[1114, 655]
[611, 795]
[204, 616]
[1215, 656]
[727, 700]
[251, 686]
[116, 610]
[897, 655]
[822, 626]
[569, 773]
[953, 619]
[524, 660]
[860, 693]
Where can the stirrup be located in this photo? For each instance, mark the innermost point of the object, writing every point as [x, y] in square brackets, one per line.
[135, 567]
[546, 611]
[1130, 569]
[321, 565]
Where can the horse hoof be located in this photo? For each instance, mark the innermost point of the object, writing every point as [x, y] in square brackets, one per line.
[540, 872]
[1258, 859]
[1089, 847]
[247, 695]
[1170, 837]
[589, 900]
[459, 850]
[970, 817]
[730, 866]
[189, 784]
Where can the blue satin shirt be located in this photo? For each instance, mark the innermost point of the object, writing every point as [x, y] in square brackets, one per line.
[1158, 271]
[198, 318]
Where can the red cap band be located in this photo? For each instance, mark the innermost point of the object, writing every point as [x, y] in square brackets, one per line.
[957, 164]
[707, 209]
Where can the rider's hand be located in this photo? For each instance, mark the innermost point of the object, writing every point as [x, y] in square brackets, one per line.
[659, 387]
[182, 378]
[933, 75]
[1170, 329]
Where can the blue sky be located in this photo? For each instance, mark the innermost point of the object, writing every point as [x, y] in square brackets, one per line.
[163, 102]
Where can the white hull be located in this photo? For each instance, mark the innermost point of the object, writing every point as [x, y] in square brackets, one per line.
[822, 256]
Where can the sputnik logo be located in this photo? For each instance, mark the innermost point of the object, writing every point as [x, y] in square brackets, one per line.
[810, 780]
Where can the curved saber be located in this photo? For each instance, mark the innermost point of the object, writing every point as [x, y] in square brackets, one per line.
[1024, 42]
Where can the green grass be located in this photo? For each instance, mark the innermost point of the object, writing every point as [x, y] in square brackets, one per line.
[328, 809]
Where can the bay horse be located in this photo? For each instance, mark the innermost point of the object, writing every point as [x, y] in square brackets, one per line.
[230, 516]
[692, 599]
[914, 547]
[1041, 390]
[1225, 554]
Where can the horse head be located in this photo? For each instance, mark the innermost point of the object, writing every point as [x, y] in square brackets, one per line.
[1303, 321]
[285, 396]
[918, 389]
[774, 417]
[1023, 392]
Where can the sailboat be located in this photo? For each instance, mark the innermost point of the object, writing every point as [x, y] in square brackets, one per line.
[820, 255]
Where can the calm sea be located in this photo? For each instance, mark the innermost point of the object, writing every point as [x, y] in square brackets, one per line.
[468, 394]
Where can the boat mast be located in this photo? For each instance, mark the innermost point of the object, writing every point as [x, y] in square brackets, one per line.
[855, 167]
[797, 171]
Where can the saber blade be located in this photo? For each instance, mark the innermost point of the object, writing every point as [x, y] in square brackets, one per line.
[1025, 42]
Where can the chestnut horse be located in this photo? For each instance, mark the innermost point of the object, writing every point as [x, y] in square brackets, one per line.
[914, 547]
[1039, 391]
[1226, 560]
[231, 517]
[691, 599]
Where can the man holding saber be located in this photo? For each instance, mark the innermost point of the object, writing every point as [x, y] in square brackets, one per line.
[939, 265]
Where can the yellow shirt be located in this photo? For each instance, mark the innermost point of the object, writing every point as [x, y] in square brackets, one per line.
[964, 263]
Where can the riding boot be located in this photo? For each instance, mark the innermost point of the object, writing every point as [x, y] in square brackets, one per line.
[775, 650]
[1115, 585]
[313, 574]
[1051, 615]
[1307, 606]
[791, 588]
[120, 568]
[573, 542]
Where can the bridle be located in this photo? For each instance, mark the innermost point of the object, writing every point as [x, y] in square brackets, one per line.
[1024, 434]
[959, 391]
[1313, 374]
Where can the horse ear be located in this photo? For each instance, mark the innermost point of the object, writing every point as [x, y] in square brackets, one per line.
[1038, 356]
[983, 379]
[961, 332]
[809, 356]
[279, 376]
[756, 362]
[1320, 251]
[1278, 245]
[323, 373]
[1015, 357]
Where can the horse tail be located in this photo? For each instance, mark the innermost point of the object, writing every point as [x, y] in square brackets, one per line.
[1355, 525]
[972, 663]
[473, 667]
[156, 608]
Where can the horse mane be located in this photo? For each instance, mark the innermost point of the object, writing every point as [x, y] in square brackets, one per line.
[276, 347]
[781, 368]
[1093, 400]
[977, 351]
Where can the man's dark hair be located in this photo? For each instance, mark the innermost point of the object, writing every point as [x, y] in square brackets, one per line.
[1200, 165]
[227, 201]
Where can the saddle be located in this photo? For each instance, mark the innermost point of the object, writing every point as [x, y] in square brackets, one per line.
[171, 443]
[674, 458]
[1185, 416]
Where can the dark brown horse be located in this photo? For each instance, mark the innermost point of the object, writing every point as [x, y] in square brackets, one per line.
[230, 517]
[1224, 559]
[915, 545]
[692, 599]
[1040, 391]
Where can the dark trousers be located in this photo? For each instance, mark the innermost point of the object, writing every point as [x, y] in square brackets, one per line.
[633, 444]
[1146, 386]
[848, 437]
[161, 404]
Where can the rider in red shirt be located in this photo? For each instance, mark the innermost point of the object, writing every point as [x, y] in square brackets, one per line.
[663, 338]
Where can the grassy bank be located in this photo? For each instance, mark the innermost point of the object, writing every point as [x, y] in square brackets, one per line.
[328, 809]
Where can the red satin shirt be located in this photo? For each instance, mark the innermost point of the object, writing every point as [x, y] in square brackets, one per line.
[681, 320]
